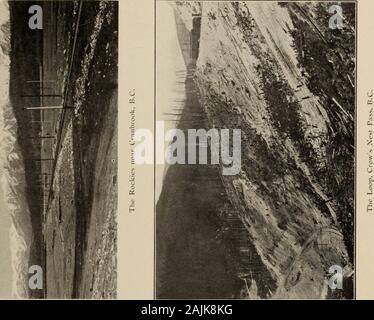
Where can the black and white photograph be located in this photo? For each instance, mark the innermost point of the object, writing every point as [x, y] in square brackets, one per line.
[58, 149]
[270, 215]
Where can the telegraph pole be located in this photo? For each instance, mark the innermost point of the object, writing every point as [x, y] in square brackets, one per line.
[41, 95]
[43, 137]
[45, 159]
[59, 107]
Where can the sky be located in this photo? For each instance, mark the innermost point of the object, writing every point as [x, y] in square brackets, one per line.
[169, 62]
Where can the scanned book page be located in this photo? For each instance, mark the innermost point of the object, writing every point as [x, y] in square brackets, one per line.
[163, 149]
[254, 149]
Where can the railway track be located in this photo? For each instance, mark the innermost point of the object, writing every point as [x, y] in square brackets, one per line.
[65, 94]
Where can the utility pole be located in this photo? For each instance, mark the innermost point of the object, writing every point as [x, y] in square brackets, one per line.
[40, 81]
[41, 121]
[43, 137]
[47, 108]
[45, 159]
[40, 95]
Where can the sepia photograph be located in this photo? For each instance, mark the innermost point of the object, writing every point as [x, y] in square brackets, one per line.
[258, 202]
[58, 149]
